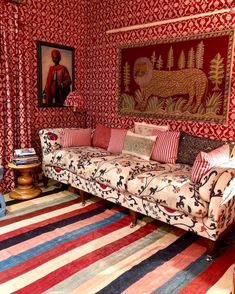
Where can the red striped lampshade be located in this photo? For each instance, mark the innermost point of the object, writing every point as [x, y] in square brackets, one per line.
[75, 100]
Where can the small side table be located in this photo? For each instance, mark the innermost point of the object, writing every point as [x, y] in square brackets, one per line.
[26, 188]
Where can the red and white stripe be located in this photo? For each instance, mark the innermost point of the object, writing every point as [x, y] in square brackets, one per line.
[166, 146]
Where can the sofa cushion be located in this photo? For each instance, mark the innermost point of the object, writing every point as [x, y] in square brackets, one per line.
[145, 129]
[169, 185]
[116, 170]
[205, 161]
[75, 137]
[101, 136]
[138, 145]
[208, 181]
[166, 146]
[74, 159]
[190, 146]
[117, 140]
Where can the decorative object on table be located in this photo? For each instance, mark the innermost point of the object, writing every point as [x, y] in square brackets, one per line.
[2, 201]
[55, 73]
[184, 78]
[25, 156]
[26, 188]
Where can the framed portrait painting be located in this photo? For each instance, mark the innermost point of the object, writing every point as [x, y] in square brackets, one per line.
[55, 65]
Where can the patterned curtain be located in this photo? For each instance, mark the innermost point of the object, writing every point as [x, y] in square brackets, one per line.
[14, 101]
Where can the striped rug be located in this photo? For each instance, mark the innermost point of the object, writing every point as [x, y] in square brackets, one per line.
[52, 244]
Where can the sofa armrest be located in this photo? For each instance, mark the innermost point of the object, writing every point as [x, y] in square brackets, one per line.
[208, 181]
[50, 140]
[222, 204]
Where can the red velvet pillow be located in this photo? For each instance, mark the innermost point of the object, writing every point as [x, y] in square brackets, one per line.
[101, 136]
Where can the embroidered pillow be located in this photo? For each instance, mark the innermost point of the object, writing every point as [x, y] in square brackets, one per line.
[117, 140]
[76, 137]
[166, 146]
[145, 129]
[138, 145]
[190, 146]
[205, 161]
[101, 136]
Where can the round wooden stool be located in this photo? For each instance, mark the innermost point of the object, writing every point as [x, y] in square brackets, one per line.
[26, 188]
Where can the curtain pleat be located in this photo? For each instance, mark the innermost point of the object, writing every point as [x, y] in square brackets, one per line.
[14, 101]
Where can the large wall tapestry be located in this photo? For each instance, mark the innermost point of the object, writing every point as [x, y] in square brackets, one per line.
[186, 78]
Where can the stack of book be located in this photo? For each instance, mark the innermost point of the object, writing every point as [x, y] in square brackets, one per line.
[25, 156]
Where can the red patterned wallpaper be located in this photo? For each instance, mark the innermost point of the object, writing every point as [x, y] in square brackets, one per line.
[83, 24]
[60, 22]
[102, 51]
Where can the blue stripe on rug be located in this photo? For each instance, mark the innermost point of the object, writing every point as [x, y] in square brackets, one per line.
[23, 256]
[50, 227]
[89, 272]
[140, 270]
[181, 279]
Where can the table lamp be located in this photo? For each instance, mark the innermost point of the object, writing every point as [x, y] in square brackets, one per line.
[76, 101]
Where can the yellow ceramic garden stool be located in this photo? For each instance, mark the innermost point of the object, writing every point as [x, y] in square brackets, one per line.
[25, 188]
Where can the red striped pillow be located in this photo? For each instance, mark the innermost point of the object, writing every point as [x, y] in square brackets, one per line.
[76, 138]
[205, 161]
[166, 146]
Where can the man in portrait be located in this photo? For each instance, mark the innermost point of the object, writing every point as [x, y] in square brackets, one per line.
[58, 81]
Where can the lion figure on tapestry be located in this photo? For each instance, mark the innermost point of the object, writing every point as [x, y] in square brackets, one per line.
[192, 82]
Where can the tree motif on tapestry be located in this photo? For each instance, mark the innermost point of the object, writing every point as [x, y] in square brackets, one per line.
[159, 62]
[217, 71]
[186, 78]
[181, 60]
[170, 59]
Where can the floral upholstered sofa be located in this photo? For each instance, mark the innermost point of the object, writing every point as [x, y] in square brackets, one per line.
[163, 191]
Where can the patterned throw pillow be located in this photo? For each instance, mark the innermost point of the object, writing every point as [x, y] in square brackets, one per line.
[205, 161]
[166, 146]
[138, 145]
[101, 136]
[76, 137]
[117, 140]
[190, 146]
[145, 129]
